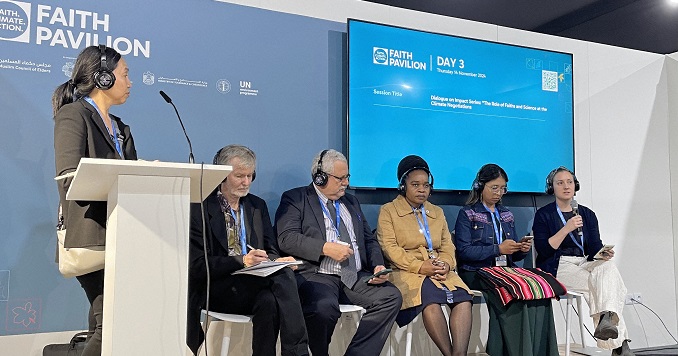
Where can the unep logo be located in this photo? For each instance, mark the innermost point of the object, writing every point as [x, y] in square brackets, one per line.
[380, 56]
[15, 21]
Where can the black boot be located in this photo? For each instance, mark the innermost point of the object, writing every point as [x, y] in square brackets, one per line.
[606, 329]
[623, 350]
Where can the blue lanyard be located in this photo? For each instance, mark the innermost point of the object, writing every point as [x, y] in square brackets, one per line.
[243, 232]
[114, 134]
[423, 226]
[496, 224]
[327, 213]
[562, 218]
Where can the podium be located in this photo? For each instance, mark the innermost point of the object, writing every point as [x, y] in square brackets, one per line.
[146, 279]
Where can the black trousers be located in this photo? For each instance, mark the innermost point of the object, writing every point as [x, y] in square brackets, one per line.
[321, 295]
[93, 284]
[274, 304]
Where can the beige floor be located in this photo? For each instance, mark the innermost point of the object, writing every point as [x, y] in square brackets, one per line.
[561, 350]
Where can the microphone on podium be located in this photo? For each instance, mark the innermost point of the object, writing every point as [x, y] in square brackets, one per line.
[190, 147]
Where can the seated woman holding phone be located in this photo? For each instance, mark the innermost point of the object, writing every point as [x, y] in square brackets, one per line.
[486, 237]
[417, 243]
[568, 245]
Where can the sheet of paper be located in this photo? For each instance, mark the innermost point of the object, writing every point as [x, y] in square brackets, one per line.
[266, 268]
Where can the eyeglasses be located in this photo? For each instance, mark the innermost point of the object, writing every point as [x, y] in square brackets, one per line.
[347, 177]
[498, 190]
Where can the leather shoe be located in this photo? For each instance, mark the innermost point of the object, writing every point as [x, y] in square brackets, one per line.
[623, 350]
[606, 329]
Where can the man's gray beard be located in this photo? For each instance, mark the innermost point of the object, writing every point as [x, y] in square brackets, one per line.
[241, 194]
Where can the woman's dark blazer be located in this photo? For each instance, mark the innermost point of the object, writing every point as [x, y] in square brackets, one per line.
[80, 132]
[547, 223]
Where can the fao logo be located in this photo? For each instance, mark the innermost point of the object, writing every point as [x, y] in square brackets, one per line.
[223, 86]
[380, 56]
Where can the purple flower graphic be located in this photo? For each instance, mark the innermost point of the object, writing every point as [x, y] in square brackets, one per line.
[24, 315]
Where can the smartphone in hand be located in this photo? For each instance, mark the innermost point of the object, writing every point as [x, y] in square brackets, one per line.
[603, 252]
[526, 238]
[378, 274]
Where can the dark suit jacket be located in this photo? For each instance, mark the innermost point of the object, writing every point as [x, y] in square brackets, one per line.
[259, 235]
[300, 226]
[547, 223]
[80, 132]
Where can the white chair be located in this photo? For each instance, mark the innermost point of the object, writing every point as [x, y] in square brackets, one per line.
[568, 336]
[228, 320]
[344, 330]
[568, 326]
[408, 332]
[350, 308]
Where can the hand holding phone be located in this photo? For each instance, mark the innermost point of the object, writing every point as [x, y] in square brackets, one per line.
[604, 252]
[526, 238]
[378, 274]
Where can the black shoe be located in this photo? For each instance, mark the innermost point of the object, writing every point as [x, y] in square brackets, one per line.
[606, 329]
[623, 350]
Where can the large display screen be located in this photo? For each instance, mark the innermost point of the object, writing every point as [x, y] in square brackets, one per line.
[457, 102]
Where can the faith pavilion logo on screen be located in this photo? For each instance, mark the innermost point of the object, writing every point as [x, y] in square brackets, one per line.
[380, 56]
[15, 21]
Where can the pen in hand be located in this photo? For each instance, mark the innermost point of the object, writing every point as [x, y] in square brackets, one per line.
[255, 256]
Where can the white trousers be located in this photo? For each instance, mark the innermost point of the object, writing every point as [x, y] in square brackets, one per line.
[603, 289]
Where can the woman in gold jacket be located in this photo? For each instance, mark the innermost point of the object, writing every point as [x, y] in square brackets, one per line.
[417, 243]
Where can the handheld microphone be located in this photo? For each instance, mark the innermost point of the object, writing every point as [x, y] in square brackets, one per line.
[575, 210]
[190, 147]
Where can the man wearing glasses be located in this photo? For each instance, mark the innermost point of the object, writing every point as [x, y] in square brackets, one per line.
[325, 228]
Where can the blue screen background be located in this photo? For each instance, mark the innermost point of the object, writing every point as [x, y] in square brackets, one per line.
[457, 102]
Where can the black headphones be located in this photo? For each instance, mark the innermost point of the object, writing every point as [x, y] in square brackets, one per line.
[491, 168]
[104, 77]
[401, 185]
[552, 175]
[215, 160]
[320, 177]
[477, 184]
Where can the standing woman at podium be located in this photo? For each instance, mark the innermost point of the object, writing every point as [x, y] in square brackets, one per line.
[83, 127]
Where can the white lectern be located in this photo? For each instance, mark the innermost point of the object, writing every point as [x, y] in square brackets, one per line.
[146, 280]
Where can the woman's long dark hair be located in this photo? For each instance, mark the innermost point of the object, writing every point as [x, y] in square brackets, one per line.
[486, 173]
[82, 79]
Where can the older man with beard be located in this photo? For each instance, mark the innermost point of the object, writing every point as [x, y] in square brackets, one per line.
[325, 228]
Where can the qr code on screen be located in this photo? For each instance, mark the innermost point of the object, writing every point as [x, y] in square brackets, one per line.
[549, 80]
